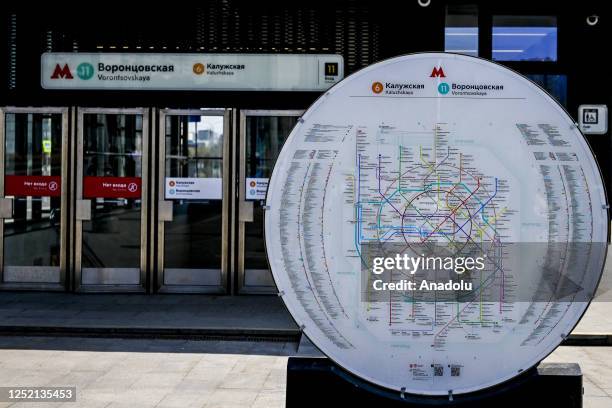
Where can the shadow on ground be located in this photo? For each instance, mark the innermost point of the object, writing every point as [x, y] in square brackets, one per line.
[268, 348]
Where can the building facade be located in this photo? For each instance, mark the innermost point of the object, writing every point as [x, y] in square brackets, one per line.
[160, 188]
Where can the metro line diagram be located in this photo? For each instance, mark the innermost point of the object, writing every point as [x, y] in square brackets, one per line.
[415, 190]
[365, 175]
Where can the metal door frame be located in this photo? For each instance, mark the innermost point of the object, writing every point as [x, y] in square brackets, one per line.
[245, 208]
[144, 207]
[161, 201]
[62, 284]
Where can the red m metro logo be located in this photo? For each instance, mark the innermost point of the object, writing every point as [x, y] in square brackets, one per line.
[437, 72]
[61, 72]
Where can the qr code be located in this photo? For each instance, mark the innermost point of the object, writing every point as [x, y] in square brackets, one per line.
[455, 371]
[438, 370]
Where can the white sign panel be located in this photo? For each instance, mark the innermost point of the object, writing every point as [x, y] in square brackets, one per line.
[249, 72]
[436, 153]
[256, 188]
[194, 188]
[593, 119]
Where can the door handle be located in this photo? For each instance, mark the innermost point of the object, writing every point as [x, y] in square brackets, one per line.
[83, 210]
[6, 208]
[245, 211]
[165, 210]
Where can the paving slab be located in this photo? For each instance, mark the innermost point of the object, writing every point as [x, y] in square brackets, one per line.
[166, 373]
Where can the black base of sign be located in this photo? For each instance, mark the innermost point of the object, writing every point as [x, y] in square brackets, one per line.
[318, 382]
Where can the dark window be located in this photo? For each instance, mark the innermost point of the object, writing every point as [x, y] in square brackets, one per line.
[556, 85]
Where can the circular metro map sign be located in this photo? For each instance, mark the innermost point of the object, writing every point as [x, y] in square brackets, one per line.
[436, 223]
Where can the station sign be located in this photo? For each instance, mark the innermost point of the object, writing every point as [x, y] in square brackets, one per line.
[111, 187]
[32, 186]
[256, 188]
[593, 119]
[221, 72]
[185, 188]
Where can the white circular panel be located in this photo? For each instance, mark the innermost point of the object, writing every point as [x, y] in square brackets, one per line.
[447, 149]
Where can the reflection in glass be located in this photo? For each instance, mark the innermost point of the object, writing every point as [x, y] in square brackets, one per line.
[265, 136]
[192, 240]
[524, 38]
[461, 29]
[112, 147]
[33, 147]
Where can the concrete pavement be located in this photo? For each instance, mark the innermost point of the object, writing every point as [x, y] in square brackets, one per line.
[149, 373]
[184, 315]
[166, 368]
[140, 373]
[140, 314]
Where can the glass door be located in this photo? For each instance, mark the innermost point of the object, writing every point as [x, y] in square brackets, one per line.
[33, 203]
[111, 199]
[193, 201]
[262, 134]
